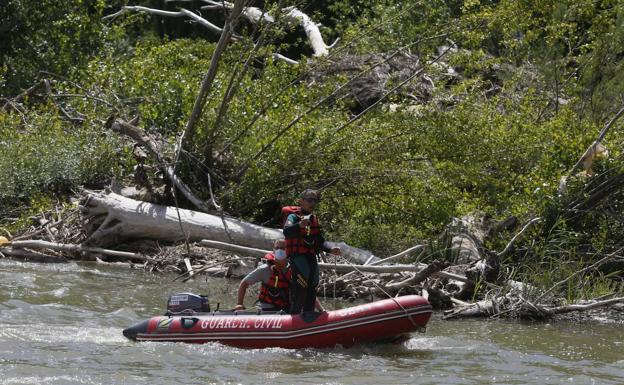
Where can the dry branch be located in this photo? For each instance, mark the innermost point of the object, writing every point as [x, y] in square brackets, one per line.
[595, 143]
[153, 147]
[256, 15]
[420, 276]
[593, 266]
[521, 307]
[36, 244]
[182, 13]
[583, 307]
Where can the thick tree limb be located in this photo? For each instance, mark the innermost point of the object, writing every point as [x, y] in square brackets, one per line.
[253, 14]
[154, 149]
[311, 29]
[256, 15]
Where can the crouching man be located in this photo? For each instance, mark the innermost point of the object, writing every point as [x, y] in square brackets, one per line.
[275, 278]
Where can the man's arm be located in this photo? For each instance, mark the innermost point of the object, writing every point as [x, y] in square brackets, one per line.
[291, 227]
[257, 275]
[242, 289]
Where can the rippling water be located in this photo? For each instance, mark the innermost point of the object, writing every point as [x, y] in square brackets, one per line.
[61, 324]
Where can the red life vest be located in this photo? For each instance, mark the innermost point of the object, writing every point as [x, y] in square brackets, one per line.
[287, 210]
[308, 238]
[276, 292]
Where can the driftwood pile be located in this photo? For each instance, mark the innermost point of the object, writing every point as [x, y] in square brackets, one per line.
[110, 228]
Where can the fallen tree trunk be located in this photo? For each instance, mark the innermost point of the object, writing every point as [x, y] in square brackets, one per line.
[37, 244]
[114, 218]
[117, 218]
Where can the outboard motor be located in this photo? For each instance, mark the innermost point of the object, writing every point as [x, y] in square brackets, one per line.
[187, 303]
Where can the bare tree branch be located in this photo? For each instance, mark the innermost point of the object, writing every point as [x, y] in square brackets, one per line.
[182, 13]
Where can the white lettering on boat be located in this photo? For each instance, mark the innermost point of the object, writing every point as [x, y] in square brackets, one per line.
[224, 323]
[268, 323]
[229, 323]
[351, 311]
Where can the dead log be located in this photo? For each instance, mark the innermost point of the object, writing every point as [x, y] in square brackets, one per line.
[467, 239]
[31, 256]
[517, 306]
[115, 218]
[37, 244]
[582, 306]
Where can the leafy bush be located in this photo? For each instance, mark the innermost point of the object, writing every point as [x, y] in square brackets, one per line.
[43, 153]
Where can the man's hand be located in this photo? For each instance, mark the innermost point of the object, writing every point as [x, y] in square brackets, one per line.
[239, 307]
[336, 251]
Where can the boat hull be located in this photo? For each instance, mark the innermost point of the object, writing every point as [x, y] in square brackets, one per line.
[382, 320]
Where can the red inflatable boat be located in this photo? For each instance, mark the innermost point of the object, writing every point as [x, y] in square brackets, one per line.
[386, 320]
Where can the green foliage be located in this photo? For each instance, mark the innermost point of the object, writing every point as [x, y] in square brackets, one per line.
[47, 35]
[43, 153]
[536, 81]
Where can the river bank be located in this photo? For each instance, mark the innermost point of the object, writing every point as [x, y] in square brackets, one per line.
[463, 279]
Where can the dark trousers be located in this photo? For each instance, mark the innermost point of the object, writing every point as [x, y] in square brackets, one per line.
[305, 279]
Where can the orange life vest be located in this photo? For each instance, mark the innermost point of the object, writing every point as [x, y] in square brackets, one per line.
[276, 291]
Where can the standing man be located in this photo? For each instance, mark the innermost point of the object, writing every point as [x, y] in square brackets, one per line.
[304, 240]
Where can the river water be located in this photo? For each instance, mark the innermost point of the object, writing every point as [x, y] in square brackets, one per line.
[62, 323]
